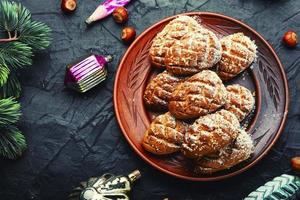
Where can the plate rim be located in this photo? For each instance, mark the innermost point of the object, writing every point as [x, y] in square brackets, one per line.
[225, 176]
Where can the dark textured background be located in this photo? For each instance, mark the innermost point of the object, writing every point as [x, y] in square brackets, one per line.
[72, 137]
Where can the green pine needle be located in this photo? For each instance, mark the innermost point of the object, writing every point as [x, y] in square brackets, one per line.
[13, 16]
[16, 54]
[12, 142]
[24, 16]
[9, 111]
[4, 72]
[8, 16]
[19, 37]
[24, 35]
[36, 34]
[12, 88]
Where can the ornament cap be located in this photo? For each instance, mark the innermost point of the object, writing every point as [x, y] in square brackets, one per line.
[109, 58]
[88, 194]
[89, 20]
[133, 176]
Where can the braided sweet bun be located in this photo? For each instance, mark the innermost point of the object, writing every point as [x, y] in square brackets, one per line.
[165, 135]
[158, 92]
[239, 51]
[198, 95]
[229, 157]
[210, 133]
[240, 101]
[173, 31]
[184, 47]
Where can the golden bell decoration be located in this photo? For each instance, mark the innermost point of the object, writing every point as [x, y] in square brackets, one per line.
[106, 187]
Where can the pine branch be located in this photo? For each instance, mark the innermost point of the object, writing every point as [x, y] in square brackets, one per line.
[8, 16]
[9, 111]
[4, 73]
[36, 34]
[19, 36]
[13, 17]
[16, 21]
[24, 16]
[23, 35]
[9, 39]
[16, 54]
[12, 88]
[12, 142]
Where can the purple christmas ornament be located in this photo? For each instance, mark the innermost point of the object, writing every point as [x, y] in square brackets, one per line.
[87, 72]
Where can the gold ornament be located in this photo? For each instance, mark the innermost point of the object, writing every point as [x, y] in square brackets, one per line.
[106, 187]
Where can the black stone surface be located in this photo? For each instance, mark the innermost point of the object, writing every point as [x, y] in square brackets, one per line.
[72, 137]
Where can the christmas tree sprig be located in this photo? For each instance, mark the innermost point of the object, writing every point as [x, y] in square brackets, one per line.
[12, 141]
[20, 36]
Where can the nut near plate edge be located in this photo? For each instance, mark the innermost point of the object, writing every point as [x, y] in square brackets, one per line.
[266, 125]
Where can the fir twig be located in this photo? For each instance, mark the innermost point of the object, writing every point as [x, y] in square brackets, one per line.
[9, 111]
[4, 73]
[12, 87]
[20, 36]
[8, 16]
[36, 34]
[16, 54]
[13, 18]
[12, 142]
[24, 34]
[9, 39]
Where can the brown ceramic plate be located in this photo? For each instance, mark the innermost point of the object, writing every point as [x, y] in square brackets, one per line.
[266, 78]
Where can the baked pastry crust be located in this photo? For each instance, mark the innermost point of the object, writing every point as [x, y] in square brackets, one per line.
[239, 101]
[210, 133]
[194, 52]
[229, 157]
[198, 95]
[239, 51]
[158, 92]
[165, 135]
[173, 31]
[184, 47]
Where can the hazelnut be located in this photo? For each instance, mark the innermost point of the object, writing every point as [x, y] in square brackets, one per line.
[128, 34]
[290, 38]
[120, 15]
[295, 163]
[68, 5]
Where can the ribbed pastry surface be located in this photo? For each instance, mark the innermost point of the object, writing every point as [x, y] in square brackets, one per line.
[241, 151]
[165, 135]
[184, 47]
[238, 52]
[239, 101]
[198, 95]
[211, 133]
[158, 92]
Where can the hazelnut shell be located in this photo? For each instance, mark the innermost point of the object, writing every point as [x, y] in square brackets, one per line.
[295, 163]
[68, 5]
[128, 34]
[290, 39]
[120, 15]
